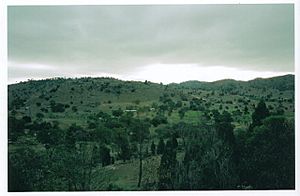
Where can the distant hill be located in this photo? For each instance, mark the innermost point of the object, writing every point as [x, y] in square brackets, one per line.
[285, 82]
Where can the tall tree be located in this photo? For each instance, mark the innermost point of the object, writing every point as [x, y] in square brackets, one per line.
[105, 155]
[26, 170]
[166, 171]
[153, 148]
[70, 138]
[224, 127]
[16, 128]
[161, 146]
[140, 132]
[125, 152]
[208, 161]
[260, 113]
[174, 142]
[270, 154]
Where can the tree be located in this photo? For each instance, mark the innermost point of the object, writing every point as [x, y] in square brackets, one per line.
[17, 103]
[179, 104]
[16, 128]
[270, 154]
[153, 148]
[261, 112]
[174, 142]
[74, 109]
[75, 165]
[140, 132]
[167, 168]
[70, 138]
[246, 110]
[123, 143]
[80, 133]
[70, 162]
[182, 112]
[137, 102]
[208, 162]
[161, 147]
[49, 135]
[117, 113]
[102, 135]
[224, 127]
[40, 116]
[27, 119]
[159, 119]
[57, 107]
[105, 155]
[25, 170]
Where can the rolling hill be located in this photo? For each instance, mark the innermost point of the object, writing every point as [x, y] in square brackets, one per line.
[98, 108]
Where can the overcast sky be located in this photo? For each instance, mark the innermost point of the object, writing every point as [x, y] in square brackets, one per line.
[157, 43]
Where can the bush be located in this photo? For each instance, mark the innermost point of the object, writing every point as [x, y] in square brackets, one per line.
[57, 107]
[159, 119]
[117, 113]
[39, 115]
[74, 109]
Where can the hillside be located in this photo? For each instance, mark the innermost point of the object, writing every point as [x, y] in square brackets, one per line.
[64, 123]
[280, 83]
[91, 95]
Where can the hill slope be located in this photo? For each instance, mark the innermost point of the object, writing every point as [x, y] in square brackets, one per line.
[97, 116]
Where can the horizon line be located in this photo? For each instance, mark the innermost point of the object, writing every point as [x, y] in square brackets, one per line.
[130, 80]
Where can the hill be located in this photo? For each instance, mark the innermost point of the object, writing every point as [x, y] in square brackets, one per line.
[89, 95]
[95, 133]
[285, 82]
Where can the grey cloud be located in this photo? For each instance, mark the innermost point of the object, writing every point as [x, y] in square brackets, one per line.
[119, 39]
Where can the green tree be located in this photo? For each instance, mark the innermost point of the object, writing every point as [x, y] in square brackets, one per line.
[208, 162]
[182, 112]
[117, 113]
[123, 143]
[105, 155]
[174, 142]
[40, 116]
[74, 109]
[49, 135]
[159, 119]
[102, 134]
[167, 168]
[161, 146]
[16, 128]
[270, 154]
[25, 170]
[57, 107]
[260, 113]
[75, 165]
[153, 148]
[224, 127]
[140, 132]
[17, 103]
[70, 137]
[179, 104]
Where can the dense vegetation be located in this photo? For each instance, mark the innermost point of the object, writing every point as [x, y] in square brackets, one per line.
[106, 134]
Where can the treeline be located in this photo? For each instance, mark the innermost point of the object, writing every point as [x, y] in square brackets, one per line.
[45, 157]
[263, 157]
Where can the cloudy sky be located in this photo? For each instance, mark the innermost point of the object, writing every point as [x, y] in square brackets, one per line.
[165, 43]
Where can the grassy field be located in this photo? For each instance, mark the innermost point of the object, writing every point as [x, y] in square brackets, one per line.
[124, 175]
